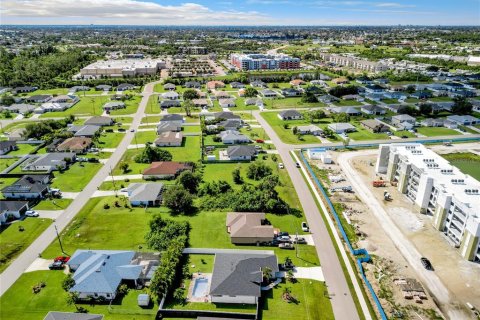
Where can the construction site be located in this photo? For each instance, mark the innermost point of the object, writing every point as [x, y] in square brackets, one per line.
[384, 221]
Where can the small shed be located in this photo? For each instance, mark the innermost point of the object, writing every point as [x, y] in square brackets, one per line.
[143, 300]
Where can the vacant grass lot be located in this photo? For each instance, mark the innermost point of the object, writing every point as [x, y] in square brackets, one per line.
[23, 149]
[434, 132]
[347, 103]
[5, 163]
[404, 133]
[468, 163]
[364, 134]
[56, 91]
[52, 297]
[110, 139]
[294, 102]
[13, 241]
[190, 151]
[53, 204]
[86, 106]
[131, 106]
[75, 178]
[286, 135]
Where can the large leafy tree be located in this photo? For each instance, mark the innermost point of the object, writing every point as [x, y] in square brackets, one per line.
[151, 154]
[178, 200]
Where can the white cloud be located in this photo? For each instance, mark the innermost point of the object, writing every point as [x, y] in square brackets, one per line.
[126, 12]
[394, 5]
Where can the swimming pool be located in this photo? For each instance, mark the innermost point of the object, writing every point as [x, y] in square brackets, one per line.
[200, 288]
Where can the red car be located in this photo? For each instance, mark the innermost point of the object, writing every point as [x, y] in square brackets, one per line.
[63, 259]
[259, 141]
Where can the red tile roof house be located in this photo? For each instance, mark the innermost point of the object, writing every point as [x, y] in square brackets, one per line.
[215, 84]
[165, 169]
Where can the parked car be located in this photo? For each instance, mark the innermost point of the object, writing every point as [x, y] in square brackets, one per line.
[282, 233]
[305, 227]
[404, 137]
[259, 141]
[281, 166]
[258, 147]
[286, 245]
[132, 130]
[426, 263]
[283, 239]
[31, 213]
[297, 164]
[56, 265]
[299, 240]
[63, 259]
[121, 129]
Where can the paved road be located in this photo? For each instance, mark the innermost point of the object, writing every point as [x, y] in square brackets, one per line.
[21, 263]
[342, 301]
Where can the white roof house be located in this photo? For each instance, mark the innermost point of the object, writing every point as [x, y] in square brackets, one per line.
[341, 127]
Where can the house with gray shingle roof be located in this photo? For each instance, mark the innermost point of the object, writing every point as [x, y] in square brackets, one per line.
[145, 194]
[341, 127]
[99, 121]
[87, 131]
[233, 137]
[348, 110]
[50, 162]
[239, 153]
[248, 228]
[290, 115]
[237, 277]
[168, 126]
[9, 209]
[33, 186]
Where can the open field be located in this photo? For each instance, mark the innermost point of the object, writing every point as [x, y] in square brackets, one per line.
[468, 163]
[434, 131]
[286, 135]
[13, 241]
[289, 103]
[53, 204]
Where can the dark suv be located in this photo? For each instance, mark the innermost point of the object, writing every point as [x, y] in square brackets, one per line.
[426, 263]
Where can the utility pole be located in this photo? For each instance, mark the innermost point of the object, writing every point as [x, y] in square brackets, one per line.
[135, 136]
[113, 182]
[59, 240]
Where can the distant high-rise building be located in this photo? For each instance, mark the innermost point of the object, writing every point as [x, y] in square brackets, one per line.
[257, 61]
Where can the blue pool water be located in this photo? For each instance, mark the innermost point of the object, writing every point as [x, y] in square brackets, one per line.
[200, 288]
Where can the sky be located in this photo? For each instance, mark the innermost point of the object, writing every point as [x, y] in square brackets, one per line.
[241, 12]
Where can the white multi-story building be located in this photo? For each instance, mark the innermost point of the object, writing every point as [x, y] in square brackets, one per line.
[436, 188]
[354, 63]
[258, 61]
[122, 68]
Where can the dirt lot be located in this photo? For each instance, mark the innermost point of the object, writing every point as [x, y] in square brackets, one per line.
[458, 280]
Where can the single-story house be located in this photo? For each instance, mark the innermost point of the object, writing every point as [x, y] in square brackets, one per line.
[237, 85]
[372, 109]
[165, 169]
[237, 276]
[145, 194]
[169, 103]
[192, 84]
[251, 101]
[355, 97]
[258, 84]
[12, 209]
[114, 105]
[174, 117]
[351, 111]
[22, 108]
[75, 144]
[431, 122]
[309, 129]
[50, 162]
[232, 124]
[99, 121]
[394, 95]
[52, 147]
[226, 103]
[221, 95]
[39, 98]
[64, 98]
[374, 88]
[169, 139]
[170, 95]
[166, 126]
[267, 93]
[297, 82]
[341, 80]
[125, 87]
[201, 103]
[99, 273]
[341, 127]
[290, 115]
[466, 120]
[290, 92]
[395, 108]
[226, 115]
[212, 85]
[79, 88]
[444, 105]
[169, 86]
[238, 153]
[233, 137]
[55, 315]
[249, 228]
[374, 126]
[7, 146]
[33, 186]
[103, 87]
[24, 89]
[327, 98]
[85, 131]
[422, 94]
[401, 118]
[364, 80]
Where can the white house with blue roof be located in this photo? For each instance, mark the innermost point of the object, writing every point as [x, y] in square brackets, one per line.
[99, 273]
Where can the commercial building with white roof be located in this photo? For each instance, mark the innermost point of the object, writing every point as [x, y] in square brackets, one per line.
[121, 68]
[439, 189]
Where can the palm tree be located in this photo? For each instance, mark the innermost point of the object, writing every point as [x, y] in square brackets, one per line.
[72, 299]
[267, 273]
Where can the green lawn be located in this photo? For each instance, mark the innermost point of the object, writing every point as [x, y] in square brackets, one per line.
[312, 302]
[86, 106]
[110, 139]
[390, 101]
[76, 177]
[52, 297]
[347, 103]
[440, 99]
[13, 241]
[286, 135]
[289, 103]
[404, 133]
[23, 149]
[468, 163]
[56, 91]
[131, 106]
[364, 134]
[5, 163]
[53, 204]
[435, 131]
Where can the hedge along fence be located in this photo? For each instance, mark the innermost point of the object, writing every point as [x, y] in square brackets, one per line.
[360, 254]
